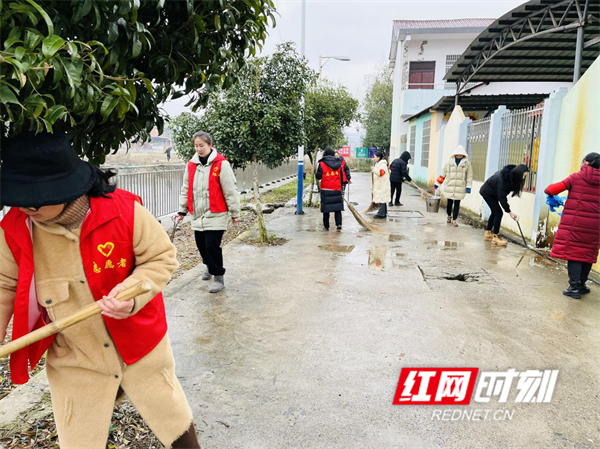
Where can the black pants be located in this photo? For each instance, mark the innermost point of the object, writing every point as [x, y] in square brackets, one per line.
[337, 215]
[209, 245]
[382, 212]
[456, 204]
[578, 272]
[396, 187]
[496, 216]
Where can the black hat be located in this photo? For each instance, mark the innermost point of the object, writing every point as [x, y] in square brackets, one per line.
[42, 170]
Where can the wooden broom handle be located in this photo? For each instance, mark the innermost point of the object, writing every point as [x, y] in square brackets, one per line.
[83, 314]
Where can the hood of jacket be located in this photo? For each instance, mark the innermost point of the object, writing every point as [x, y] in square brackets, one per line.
[332, 162]
[405, 156]
[460, 150]
[590, 175]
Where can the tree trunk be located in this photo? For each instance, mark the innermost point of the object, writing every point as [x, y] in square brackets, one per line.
[262, 229]
[314, 177]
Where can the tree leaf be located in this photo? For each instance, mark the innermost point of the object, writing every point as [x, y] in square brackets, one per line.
[7, 95]
[136, 47]
[51, 45]
[218, 22]
[19, 53]
[107, 107]
[55, 113]
[44, 15]
[82, 9]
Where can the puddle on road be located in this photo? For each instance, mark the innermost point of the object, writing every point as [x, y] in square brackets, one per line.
[337, 248]
[380, 256]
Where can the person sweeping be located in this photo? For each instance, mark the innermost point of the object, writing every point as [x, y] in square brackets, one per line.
[495, 191]
[398, 173]
[330, 172]
[578, 237]
[381, 185]
[209, 194]
[456, 180]
[70, 239]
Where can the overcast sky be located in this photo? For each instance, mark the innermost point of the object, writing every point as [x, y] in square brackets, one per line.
[360, 29]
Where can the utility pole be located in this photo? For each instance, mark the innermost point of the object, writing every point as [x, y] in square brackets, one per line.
[299, 196]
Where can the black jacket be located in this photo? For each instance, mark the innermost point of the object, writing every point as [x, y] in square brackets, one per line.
[399, 168]
[331, 200]
[499, 186]
[346, 170]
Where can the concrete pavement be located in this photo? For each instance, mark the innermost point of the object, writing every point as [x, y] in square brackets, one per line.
[304, 347]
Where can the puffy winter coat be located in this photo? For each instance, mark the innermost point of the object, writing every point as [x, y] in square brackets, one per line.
[399, 168]
[499, 186]
[202, 218]
[456, 178]
[578, 236]
[331, 200]
[381, 182]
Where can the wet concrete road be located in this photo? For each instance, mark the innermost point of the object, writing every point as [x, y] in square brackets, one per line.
[304, 347]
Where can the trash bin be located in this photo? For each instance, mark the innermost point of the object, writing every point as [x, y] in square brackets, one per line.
[433, 203]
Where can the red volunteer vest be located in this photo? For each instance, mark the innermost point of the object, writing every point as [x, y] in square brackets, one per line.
[343, 170]
[332, 179]
[106, 245]
[216, 198]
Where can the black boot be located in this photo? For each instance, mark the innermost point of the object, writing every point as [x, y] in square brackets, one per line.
[583, 289]
[390, 204]
[573, 291]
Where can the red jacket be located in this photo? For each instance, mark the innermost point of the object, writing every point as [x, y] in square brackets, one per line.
[216, 199]
[578, 236]
[106, 234]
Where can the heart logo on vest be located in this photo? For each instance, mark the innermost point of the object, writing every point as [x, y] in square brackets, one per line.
[106, 249]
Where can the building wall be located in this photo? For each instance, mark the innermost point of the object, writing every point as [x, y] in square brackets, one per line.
[578, 130]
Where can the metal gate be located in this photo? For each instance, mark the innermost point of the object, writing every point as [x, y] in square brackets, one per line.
[478, 134]
[520, 142]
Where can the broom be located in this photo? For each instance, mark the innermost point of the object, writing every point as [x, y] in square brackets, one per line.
[55, 327]
[373, 206]
[361, 221]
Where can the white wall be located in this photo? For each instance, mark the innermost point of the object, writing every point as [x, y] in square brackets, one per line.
[435, 48]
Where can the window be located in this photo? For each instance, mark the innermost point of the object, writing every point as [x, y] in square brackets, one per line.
[450, 60]
[413, 138]
[421, 75]
[425, 145]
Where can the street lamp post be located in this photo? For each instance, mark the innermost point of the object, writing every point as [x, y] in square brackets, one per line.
[323, 60]
[300, 185]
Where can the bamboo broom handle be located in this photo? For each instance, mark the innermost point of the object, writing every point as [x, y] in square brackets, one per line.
[83, 314]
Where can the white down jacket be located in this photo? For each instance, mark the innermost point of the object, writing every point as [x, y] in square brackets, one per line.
[457, 177]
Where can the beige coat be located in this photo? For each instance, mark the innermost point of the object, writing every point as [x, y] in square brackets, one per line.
[84, 367]
[458, 178]
[202, 218]
[381, 183]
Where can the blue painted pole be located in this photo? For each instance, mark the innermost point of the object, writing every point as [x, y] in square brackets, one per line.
[299, 210]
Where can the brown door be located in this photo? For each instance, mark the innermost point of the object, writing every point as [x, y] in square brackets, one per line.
[421, 75]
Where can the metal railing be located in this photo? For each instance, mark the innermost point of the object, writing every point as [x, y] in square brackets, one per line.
[520, 141]
[478, 133]
[158, 185]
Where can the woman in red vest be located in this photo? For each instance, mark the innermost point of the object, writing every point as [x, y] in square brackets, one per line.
[330, 172]
[70, 239]
[578, 237]
[209, 194]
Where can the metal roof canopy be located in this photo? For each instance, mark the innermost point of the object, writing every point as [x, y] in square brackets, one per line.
[484, 103]
[542, 40]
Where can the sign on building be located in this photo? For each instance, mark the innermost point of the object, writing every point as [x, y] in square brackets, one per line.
[372, 151]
